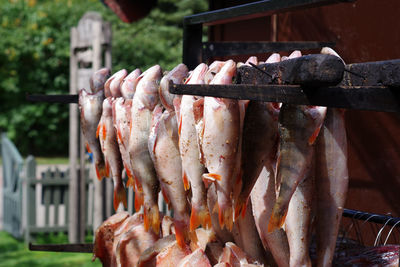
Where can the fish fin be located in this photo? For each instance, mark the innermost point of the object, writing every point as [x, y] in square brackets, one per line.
[138, 199]
[120, 137]
[276, 222]
[104, 131]
[186, 183]
[88, 148]
[107, 169]
[314, 136]
[151, 218]
[119, 196]
[180, 125]
[130, 182]
[181, 233]
[100, 171]
[240, 207]
[225, 218]
[98, 130]
[209, 178]
[200, 217]
[165, 196]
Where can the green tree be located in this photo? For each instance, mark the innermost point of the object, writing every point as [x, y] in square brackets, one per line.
[34, 59]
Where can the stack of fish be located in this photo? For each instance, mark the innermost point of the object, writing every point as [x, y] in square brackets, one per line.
[245, 179]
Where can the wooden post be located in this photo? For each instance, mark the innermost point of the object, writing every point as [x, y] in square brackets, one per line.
[30, 199]
[87, 42]
[73, 230]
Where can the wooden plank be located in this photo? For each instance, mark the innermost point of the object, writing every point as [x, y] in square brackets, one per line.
[52, 182]
[73, 223]
[385, 73]
[377, 98]
[66, 199]
[30, 196]
[309, 70]
[83, 248]
[57, 196]
[46, 191]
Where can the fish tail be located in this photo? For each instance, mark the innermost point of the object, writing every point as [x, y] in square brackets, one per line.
[119, 196]
[181, 233]
[186, 183]
[139, 199]
[200, 216]
[100, 171]
[166, 199]
[88, 148]
[240, 207]
[225, 217]
[151, 218]
[130, 182]
[277, 220]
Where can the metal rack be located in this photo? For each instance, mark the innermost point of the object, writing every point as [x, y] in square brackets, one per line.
[380, 92]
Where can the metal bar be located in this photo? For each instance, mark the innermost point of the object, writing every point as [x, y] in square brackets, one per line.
[62, 99]
[376, 218]
[192, 46]
[377, 98]
[253, 10]
[83, 247]
[212, 49]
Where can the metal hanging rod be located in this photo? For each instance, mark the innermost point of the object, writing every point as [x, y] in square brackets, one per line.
[253, 10]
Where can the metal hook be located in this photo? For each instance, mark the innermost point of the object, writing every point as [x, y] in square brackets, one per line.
[380, 232]
[390, 232]
[259, 69]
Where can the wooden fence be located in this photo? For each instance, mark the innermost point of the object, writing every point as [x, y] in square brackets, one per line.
[51, 213]
[34, 204]
[12, 187]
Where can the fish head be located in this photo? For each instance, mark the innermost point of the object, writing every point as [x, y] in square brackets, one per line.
[198, 74]
[115, 84]
[177, 75]
[98, 79]
[213, 69]
[128, 85]
[226, 74]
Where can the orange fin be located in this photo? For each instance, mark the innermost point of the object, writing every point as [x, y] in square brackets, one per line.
[225, 218]
[314, 136]
[104, 132]
[209, 178]
[199, 217]
[98, 130]
[186, 183]
[276, 222]
[180, 125]
[152, 219]
[100, 171]
[165, 196]
[120, 137]
[240, 207]
[138, 199]
[181, 233]
[119, 196]
[107, 169]
[88, 148]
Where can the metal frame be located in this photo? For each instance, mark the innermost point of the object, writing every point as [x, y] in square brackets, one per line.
[195, 51]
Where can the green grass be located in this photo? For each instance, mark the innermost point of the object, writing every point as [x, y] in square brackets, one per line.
[16, 253]
[40, 160]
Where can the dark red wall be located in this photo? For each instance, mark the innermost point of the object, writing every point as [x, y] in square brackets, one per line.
[367, 30]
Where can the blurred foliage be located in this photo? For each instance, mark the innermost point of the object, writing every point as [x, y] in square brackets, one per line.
[34, 58]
